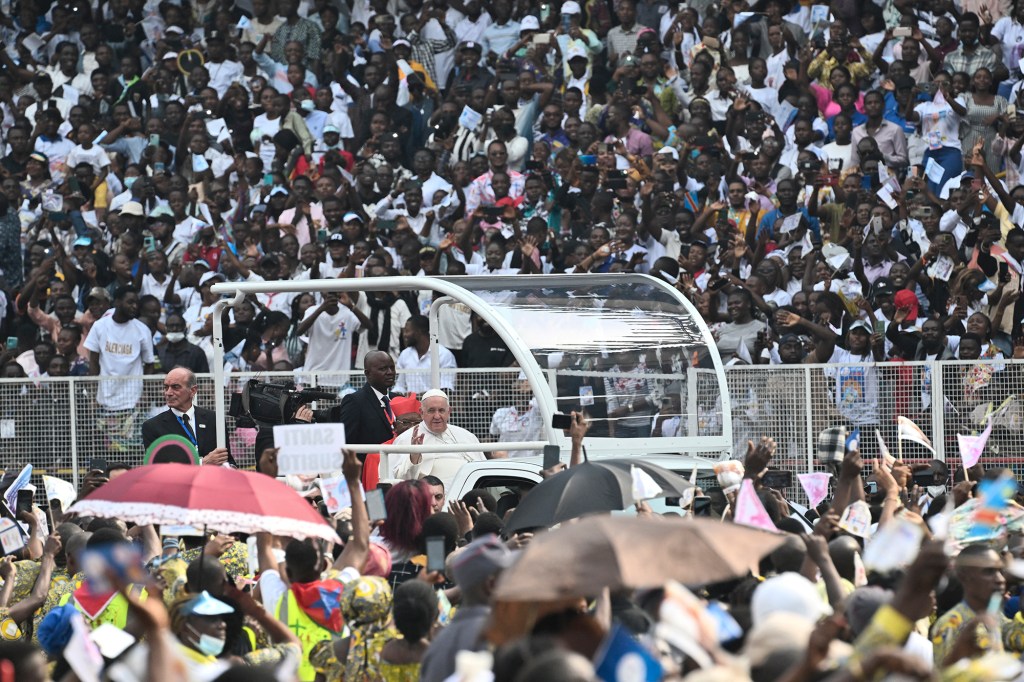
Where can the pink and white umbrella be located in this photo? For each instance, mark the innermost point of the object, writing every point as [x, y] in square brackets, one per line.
[228, 500]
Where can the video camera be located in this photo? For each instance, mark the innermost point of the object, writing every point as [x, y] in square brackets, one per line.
[267, 403]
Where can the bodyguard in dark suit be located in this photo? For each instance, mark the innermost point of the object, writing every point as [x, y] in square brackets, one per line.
[367, 413]
[183, 418]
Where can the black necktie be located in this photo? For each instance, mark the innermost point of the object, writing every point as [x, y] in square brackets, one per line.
[188, 428]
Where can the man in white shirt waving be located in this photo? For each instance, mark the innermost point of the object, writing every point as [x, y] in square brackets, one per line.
[435, 430]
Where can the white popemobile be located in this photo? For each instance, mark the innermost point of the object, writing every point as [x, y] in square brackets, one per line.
[575, 325]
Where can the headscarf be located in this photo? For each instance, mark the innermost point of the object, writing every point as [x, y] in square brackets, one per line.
[366, 605]
[906, 299]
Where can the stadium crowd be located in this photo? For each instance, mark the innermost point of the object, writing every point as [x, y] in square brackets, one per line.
[825, 183]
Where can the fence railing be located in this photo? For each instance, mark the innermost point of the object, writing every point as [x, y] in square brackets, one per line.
[59, 424]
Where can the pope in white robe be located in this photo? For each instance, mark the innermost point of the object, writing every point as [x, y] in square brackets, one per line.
[434, 430]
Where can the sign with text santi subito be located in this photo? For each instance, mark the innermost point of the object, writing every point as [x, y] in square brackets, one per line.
[308, 448]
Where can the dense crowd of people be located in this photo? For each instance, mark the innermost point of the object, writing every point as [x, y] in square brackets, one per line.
[820, 184]
[825, 184]
[915, 575]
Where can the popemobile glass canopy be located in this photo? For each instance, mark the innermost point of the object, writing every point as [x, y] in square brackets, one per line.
[627, 349]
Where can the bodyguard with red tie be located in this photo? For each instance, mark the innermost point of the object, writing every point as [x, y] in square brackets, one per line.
[367, 413]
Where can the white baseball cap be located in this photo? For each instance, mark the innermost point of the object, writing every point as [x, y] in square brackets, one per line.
[571, 7]
[529, 23]
[210, 275]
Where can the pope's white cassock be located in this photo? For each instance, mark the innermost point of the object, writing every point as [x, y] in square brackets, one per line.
[442, 464]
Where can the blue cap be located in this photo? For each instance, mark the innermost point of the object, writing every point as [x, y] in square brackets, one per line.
[204, 604]
[55, 629]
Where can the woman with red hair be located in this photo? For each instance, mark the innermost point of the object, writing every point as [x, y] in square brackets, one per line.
[407, 505]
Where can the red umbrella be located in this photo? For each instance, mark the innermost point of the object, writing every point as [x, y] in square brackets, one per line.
[228, 500]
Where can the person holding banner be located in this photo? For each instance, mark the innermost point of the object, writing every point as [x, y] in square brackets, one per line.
[184, 418]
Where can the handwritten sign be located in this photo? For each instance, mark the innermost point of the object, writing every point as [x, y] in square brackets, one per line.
[308, 448]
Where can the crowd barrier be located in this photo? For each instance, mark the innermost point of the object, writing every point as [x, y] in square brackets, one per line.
[60, 424]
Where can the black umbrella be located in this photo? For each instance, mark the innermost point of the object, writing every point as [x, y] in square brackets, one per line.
[601, 486]
[671, 483]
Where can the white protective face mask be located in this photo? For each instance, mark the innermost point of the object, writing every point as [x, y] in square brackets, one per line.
[935, 490]
[211, 646]
[175, 337]
[208, 644]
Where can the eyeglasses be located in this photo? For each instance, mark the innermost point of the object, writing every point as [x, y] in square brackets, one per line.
[408, 422]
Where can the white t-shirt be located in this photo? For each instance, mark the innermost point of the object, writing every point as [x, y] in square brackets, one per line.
[419, 382]
[842, 152]
[767, 97]
[856, 388]
[222, 75]
[123, 350]
[151, 287]
[776, 70]
[96, 157]
[1010, 35]
[330, 340]
[940, 125]
[512, 426]
[267, 126]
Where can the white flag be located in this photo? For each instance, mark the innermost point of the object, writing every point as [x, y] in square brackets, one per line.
[908, 430]
[60, 490]
[644, 487]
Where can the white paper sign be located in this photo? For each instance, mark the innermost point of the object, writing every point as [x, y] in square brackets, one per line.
[32, 42]
[741, 17]
[893, 546]
[791, 223]
[819, 14]
[934, 171]
[856, 519]
[81, 652]
[111, 640]
[11, 539]
[469, 118]
[216, 126]
[199, 163]
[7, 428]
[885, 194]
[942, 268]
[336, 494]
[308, 448]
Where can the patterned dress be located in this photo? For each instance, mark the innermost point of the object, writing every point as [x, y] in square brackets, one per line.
[947, 628]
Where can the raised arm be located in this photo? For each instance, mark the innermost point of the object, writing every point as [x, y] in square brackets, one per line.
[358, 547]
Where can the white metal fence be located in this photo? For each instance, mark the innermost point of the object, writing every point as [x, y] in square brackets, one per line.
[58, 424]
